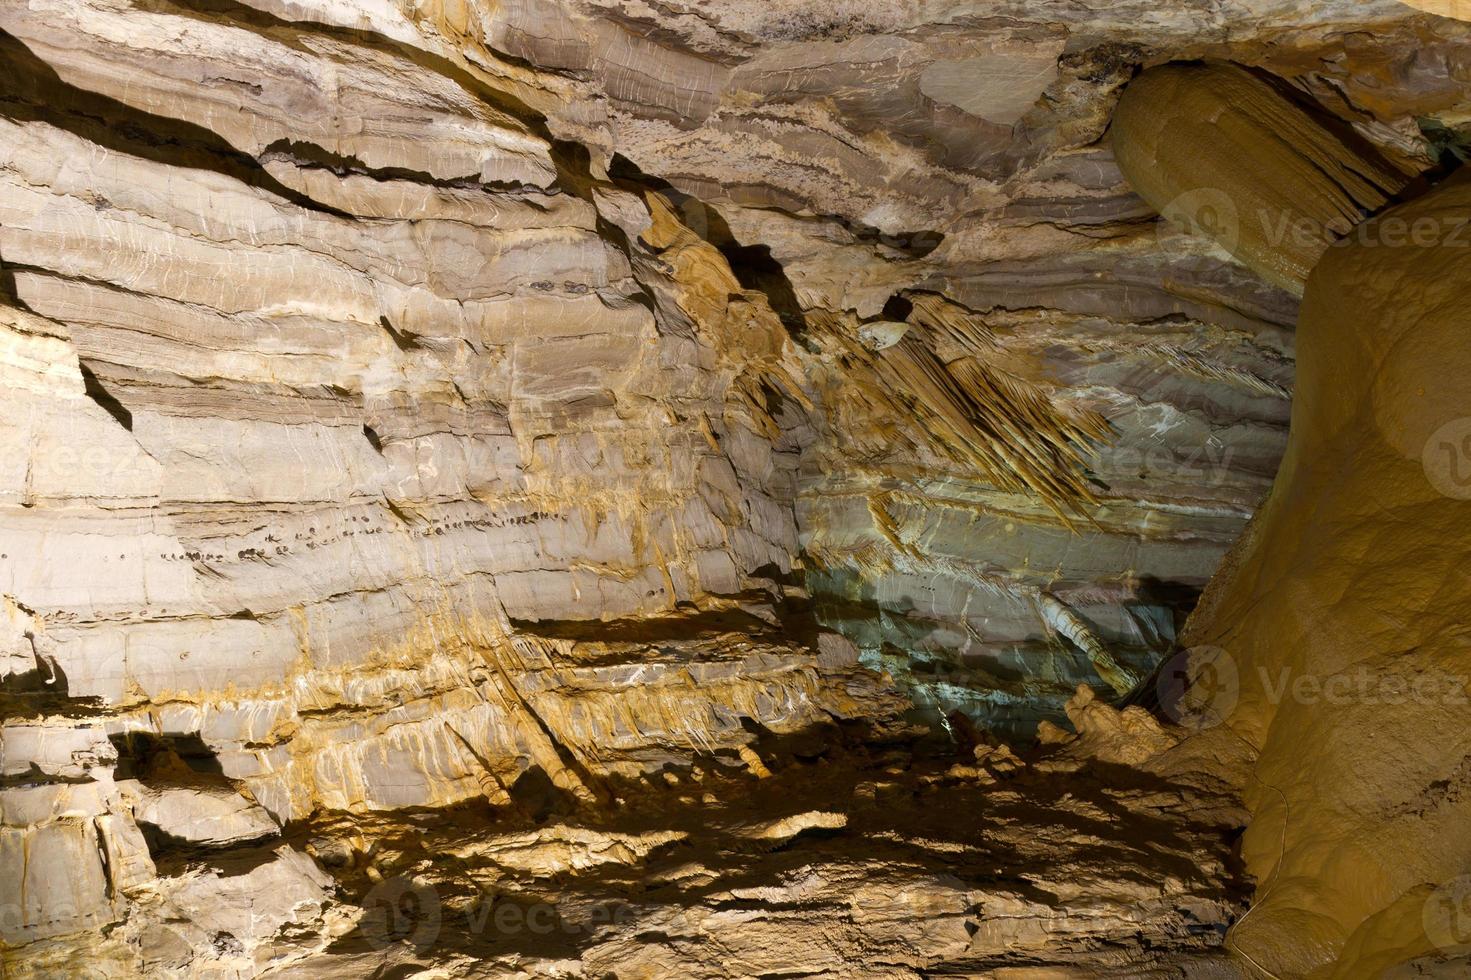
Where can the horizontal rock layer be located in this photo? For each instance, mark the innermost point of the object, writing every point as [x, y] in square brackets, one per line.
[451, 404]
[839, 864]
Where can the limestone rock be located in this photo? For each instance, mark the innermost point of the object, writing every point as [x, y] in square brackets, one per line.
[1222, 154]
[1130, 737]
[68, 841]
[201, 816]
[546, 454]
[1330, 671]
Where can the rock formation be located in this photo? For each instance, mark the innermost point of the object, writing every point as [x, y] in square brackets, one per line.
[1342, 615]
[1327, 644]
[596, 488]
[1221, 152]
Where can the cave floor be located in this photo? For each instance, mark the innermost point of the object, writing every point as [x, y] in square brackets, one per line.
[904, 861]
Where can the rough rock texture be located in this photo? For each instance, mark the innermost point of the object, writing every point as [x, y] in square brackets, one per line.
[1342, 617]
[1198, 143]
[513, 408]
[837, 865]
[1351, 709]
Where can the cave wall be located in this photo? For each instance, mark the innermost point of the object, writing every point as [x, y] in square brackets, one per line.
[405, 398]
[416, 115]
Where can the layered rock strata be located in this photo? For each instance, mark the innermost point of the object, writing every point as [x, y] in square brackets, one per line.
[1196, 142]
[315, 451]
[840, 863]
[430, 405]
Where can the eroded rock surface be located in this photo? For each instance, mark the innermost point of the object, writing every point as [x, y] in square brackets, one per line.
[1198, 143]
[838, 864]
[1340, 619]
[470, 422]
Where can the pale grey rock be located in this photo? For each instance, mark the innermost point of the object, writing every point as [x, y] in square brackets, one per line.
[59, 881]
[251, 907]
[208, 816]
[68, 844]
[999, 87]
[53, 751]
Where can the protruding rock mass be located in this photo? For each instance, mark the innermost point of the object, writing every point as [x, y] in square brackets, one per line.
[596, 488]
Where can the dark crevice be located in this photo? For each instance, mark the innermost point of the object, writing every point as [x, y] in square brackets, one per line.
[910, 244]
[174, 856]
[753, 265]
[302, 153]
[41, 95]
[33, 92]
[1371, 165]
[43, 690]
[755, 268]
[47, 676]
[538, 797]
[897, 308]
[1449, 148]
[9, 293]
[404, 341]
[572, 171]
[651, 629]
[141, 755]
[105, 399]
